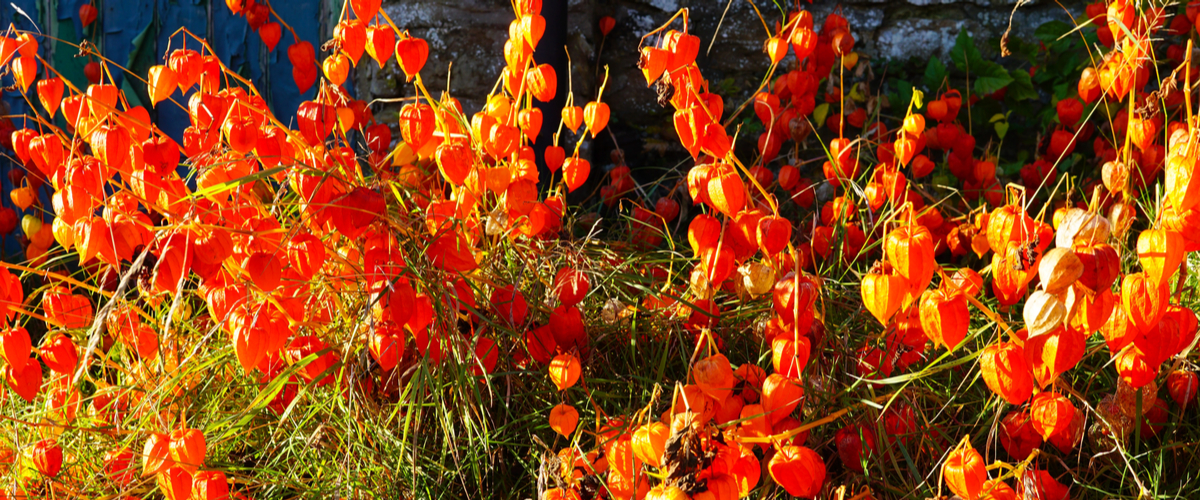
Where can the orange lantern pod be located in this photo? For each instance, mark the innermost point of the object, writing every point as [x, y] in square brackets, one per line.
[1101, 265]
[571, 286]
[790, 356]
[1017, 435]
[530, 122]
[1006, 372]
[773, 233]
[1182, 386]
[542, 81]
[66, 309]
[1143, 300]
[336, 68]
[1051, 414]
[799, 470]
[1181, 183]
[49, 92]
[162, 83]
[16, 347]
[118, 466]
[60, 353]
[1053, 353]
[156, 454]
[27, 382]
[366, 10]
[649, 442]
[883, 292]
[564, 371]
[210, 485]
[1091, 312]
[174, 262]
[595, 115]
[714, 376]
[47, 457]
[572, 117]
[417, 124]
[944, 317]
[351, 32]
[575, 172]
[965, 471]
[563, 419]
[381, 40]
[304, 59]
[1160, 251]
[187, 448]
[175, 483]
[780, 395]
[909, 248]
[1011, 273]
[726, 191]
[653, 63]
[412, 53]
[531, 28]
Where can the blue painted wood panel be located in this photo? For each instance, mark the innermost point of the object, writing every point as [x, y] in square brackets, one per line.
[138, 33]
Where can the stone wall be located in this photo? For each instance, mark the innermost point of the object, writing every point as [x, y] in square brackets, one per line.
[467, 38]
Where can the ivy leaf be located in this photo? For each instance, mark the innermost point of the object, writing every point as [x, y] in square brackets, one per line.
[1022, 87]
[1001, 129]
[989, 77]
[964, 54]
[935, 73]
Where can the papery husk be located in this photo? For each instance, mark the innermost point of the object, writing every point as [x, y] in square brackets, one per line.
[1059, 269]
[1043, 312]
[1081, 226]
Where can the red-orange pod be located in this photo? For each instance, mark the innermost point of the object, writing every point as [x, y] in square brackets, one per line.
[965, 471]
[799, 470]
[163, 81]
[1052, 354]
[726, 191]
[530, 122]
[1008, 224]
[412, 53]
[50, 93]
[944, 317]
[1143, 300]
[1092, 311]
[381, 39]
[773, 234]
[595, 115]
[575, 172]
[542, 81]
[1160, 252]
[883, 293]
[910, 250]
[1011, 274]
[15, 347]
[417, 124]
[187, 448]
[780, 396]
[1006, 372]
[1051, 414]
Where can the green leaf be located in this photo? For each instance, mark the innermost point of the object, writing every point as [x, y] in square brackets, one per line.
[964, 54]
[1050, 31]
[1021, 88]
[819, 114]
[903, 94]
[989, 77]
[1001, 129]
[935, 73]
